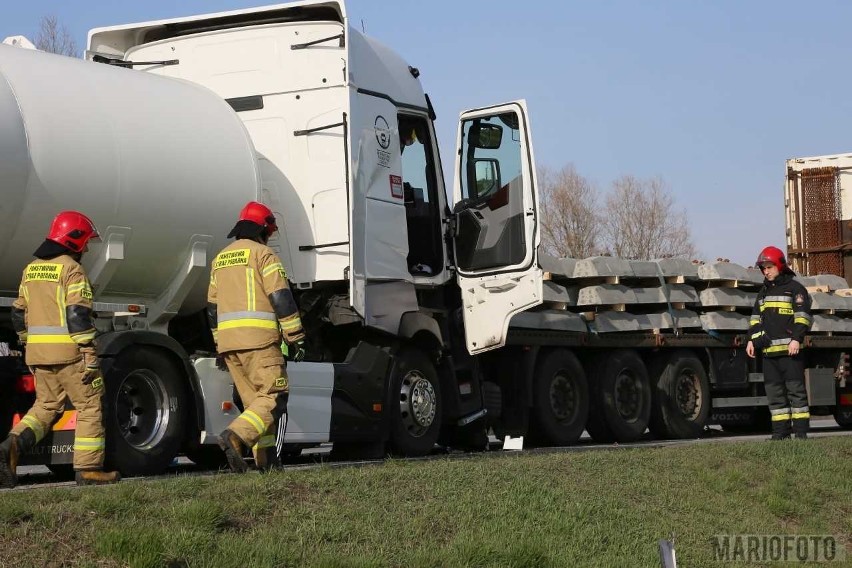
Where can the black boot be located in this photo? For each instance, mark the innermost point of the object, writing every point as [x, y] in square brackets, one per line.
[234, 449]
[266, 459]
[11, 450]
[781, 429]
[801, 427]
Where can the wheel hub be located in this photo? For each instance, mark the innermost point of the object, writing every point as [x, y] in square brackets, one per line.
[142, 409]
[628, 396]
[688, 395]
[563, 396]
[417, 402]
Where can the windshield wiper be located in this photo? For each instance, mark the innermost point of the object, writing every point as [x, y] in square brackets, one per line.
[123, 63]
[316, 41]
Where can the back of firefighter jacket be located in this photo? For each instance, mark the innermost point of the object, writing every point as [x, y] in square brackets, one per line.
[53, 312]
[249, 302]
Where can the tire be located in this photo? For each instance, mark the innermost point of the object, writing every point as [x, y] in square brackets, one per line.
[843, 417]
[560, 396]
[415, 404]
[207, 456]
[146, 409]
[621, 398]
[681, 397]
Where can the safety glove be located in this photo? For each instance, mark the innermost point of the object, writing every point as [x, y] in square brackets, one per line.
[92, 372]
[297, 350]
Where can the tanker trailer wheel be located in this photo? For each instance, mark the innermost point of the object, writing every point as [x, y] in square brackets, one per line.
[560, 398]
[681, 397]
[415, 404]
[144, 411]
[843, 416]
[621, 398]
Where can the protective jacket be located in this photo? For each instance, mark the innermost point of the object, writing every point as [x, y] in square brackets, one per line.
[53, 312]
[781, 314]
[250, 305]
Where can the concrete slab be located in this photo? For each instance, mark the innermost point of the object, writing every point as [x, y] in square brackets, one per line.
[725, 271]
[826, 301]
[605, 295]
[602, 267]
[724, 321]
[557, 293]
[827, 323]
[716, 297]
[672, 267]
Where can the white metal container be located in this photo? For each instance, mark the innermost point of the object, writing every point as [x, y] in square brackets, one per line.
[161, 165]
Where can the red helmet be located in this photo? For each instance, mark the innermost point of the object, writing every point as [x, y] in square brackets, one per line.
[773, 255]
[72, 230]
[259, 214]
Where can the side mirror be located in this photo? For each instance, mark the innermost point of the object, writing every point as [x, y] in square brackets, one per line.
[486, 136]
[487, 176]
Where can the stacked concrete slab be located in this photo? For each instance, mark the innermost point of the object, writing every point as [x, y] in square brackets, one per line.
[605, 294]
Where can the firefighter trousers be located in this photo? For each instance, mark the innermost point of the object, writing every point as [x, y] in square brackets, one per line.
[53, 384]
[261, 381]
[784, 379]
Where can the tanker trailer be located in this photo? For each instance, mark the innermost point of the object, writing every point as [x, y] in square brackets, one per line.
[162, 166]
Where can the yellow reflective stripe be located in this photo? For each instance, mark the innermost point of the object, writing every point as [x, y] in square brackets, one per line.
[33, 339]
[254, 420]
[804, 321]
[83, 338]
[248, 322]
[250, 300]
[754, 321]
[780, 417]
[60, 301]
[777, 304]
[89, 444]
[265, 442]
[26, 294]
[801, 415]
[276, 266]
[291, 325]
[33, 424]
[775, 349]
[756, 335]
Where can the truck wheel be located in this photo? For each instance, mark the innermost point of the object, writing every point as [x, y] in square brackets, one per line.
[560, 398]
[144, 411]
[681, 399]
[843, 416]
[415, 404]
[621, 399]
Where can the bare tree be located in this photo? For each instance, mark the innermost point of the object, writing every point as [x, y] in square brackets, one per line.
[570, 224]
[641, 221]
[54, 37]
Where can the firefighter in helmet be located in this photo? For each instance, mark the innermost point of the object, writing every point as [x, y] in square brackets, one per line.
[255, 323]
[53, 318]
[779, 322]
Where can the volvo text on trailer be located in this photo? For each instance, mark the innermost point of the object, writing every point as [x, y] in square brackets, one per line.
[429, 321]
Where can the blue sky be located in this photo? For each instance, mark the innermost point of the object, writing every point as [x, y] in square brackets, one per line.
[712, 96]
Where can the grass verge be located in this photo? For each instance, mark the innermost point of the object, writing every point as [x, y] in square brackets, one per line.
[599, 508]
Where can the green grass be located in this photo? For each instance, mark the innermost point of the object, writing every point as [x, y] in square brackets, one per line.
[603, 508]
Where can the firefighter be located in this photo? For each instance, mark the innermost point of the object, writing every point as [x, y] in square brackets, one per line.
[255, 323]
[778, 324]
[53, 318]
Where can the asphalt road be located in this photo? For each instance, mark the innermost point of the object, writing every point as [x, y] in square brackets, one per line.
[35, 477]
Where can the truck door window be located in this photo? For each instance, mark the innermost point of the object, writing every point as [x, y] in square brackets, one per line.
[491, 212]
[425, 251]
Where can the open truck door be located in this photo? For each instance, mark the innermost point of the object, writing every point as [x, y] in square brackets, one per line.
[496, 222]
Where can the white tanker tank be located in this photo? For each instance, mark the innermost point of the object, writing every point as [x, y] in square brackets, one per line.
[161, 165]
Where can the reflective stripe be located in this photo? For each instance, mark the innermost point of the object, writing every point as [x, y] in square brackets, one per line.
[248, 322]
[231, 316]
[254, 420]
[272, 268]
[756, 335]
[800, 409]
[291, 325]
[26, 294]
[801, 415]
[250, 299]
[780, 411]
[754, 321]
[803, 321]
[46, 329]
[33, 424]
[780, 417]
[776, 349]
[83, 338]
[782, 299]
[60, 300]
[782, 341]
[42, 339]
[265, 442]
[89, 444]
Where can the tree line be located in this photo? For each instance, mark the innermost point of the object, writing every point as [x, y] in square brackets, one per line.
[636, 218]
